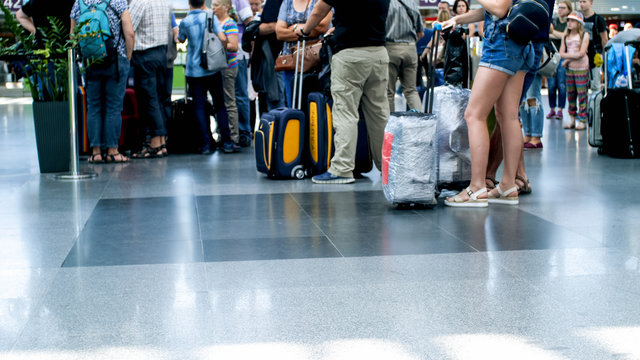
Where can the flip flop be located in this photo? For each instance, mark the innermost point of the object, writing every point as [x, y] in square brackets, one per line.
[526, 185]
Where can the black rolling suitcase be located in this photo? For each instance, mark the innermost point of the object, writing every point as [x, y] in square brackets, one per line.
[280, 138]
[183, 132]
[320, 146]
[620, 121]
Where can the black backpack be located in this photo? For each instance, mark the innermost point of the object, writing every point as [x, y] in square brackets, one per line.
[526, 18]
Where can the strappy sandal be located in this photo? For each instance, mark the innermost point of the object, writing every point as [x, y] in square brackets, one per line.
[92, 159]
[164, 152]
[111, 159]
[526, 185]
[472, 201]
[149, 153]
[492, 185]
[502, 197]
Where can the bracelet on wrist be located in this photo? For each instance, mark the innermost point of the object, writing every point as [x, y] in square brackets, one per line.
[304, 33]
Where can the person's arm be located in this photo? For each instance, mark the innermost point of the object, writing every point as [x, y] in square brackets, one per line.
[182, 35]
[243, 9]
[322, 27]
[472, 29]
[426, 50]
[420, 35]
[499, 8]
[466, 18]
[267, 29]
[127, 31]
[26, 21]
[319, 13]
[604, 37]
[286, 33]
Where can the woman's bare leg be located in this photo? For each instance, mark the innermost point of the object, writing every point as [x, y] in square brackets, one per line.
[507, 115]
[487, 88]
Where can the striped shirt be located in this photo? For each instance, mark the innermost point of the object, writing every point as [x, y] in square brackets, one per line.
[150, 20]
[231, 28]
[403, 25]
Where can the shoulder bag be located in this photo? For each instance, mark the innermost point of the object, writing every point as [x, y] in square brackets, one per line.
[213, 56]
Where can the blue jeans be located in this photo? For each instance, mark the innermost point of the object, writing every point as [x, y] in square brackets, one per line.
[287, 77]
[558, 87]
[533, 116]
[105, 98]
[242, 98]
[198, 88]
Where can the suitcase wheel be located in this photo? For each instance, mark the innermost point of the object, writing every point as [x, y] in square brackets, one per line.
[298, 172]
[600, 151]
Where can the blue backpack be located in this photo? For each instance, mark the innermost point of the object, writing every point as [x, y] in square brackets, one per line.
[95, 36]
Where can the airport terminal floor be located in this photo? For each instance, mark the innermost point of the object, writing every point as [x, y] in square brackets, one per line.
[200, 257]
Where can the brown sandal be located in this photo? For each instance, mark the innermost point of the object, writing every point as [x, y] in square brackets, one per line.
[492, 185]
[526, 186]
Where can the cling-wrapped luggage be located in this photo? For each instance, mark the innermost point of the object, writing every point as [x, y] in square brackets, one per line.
[409, 159]
[410, 152]
[454, 156]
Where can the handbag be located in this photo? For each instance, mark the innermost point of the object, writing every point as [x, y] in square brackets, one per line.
[285, 62]
[550, 66]
[311, 55]
[526, 18]
[214, 55]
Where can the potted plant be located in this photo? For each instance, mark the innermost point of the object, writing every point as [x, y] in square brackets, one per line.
[46, 70]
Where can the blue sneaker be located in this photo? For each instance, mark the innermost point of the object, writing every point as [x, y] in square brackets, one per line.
[329, 178]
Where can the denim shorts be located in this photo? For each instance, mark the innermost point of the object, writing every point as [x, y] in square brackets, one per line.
[503, 54]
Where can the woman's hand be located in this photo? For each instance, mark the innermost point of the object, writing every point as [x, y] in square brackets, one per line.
[451, 23]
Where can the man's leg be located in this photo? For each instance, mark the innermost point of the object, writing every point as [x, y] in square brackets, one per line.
[408, 76]
[348, 74]
[374, 108]
[394, 67]
[242, 103]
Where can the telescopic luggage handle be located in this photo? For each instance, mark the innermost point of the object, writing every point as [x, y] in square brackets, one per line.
[432, 68]
[299, 73]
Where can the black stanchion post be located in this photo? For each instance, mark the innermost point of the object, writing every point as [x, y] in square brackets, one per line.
[73, 133]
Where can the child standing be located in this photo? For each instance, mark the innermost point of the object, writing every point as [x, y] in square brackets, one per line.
[230, 132]
[574, 52]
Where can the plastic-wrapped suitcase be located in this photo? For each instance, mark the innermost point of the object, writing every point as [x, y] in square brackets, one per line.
[320, 146]
[620, 111]
[594, 119]
[280, 137]
[454, 155]
[410, 152]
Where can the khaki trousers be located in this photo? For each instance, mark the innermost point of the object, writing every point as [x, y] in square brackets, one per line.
[358, 75]
[403, 63]
[229, 90]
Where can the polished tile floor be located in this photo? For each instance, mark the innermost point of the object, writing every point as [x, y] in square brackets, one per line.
[201, 257]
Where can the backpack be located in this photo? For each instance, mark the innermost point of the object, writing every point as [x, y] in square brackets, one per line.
[213, 56]
[95, 37]
[526, 18]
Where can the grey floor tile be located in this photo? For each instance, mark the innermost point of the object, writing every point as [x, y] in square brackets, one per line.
[90, 322]
[14, 314]
[269, 248]
[133, 253]
[253, 206]
[26, 283]
[150, 280]
[257, 228]
[562, 263]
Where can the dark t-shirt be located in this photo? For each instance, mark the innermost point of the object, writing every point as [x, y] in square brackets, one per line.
[558, 26]
[359, 23]
[594, 25]
[270, 15]
[39, 10]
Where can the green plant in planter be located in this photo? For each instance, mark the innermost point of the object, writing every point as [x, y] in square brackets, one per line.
[45, 64]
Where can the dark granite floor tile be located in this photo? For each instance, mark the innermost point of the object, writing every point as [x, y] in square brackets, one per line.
[87, 253]
[269, 249]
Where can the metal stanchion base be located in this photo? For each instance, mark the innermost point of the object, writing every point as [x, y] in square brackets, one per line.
[76, 176]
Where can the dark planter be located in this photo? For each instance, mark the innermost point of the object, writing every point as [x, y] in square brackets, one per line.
[51, 120]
